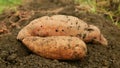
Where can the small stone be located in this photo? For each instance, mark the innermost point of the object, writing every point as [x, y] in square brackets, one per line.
[4, 54]
[12, 57]
[55, 61]
[105, 63]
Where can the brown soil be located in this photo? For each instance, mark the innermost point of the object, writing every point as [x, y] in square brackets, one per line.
[13, 54]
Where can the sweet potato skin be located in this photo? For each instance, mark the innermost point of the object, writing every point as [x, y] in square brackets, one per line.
[57, 47]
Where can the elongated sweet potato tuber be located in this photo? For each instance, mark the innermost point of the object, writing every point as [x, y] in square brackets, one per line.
[50, 26]
[57, 47]
[62, 25]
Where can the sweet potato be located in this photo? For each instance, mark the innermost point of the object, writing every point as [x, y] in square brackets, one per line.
[50, 26]
[62, 25]
[57, 47]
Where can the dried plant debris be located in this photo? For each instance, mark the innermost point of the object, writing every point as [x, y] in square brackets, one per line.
[20, 16]
[3, 28]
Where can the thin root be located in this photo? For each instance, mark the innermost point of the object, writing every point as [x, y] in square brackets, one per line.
[22, 15]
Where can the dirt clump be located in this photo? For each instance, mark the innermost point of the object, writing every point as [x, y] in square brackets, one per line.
[13, 54]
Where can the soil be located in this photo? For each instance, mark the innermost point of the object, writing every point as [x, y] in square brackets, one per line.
[13, 54]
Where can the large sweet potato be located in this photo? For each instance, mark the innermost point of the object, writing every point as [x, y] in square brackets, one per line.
[57, 47]
[50, 26]
[62, 25]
